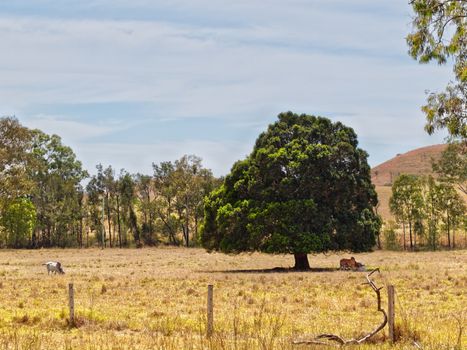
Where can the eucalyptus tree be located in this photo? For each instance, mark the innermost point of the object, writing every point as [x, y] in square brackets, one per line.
[95, 191]
[432, 199]
[15, 160]
[204, 183]
[18, 221]
[453, 209]
[406, 202]
[146, 195]
[126, 189]
[165, 200]
[57, 175]
[440, 33]
[81, 214]
[110, 190]
[452, 166]
[192, 183]
[304, 188]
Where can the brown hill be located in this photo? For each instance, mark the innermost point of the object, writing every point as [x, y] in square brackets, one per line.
[416, 162]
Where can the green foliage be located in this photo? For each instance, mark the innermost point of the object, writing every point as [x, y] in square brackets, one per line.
[146, 208]
[38, 166]
[432, 210]
[15, 159]
[180, 188]
[127, 194]
[440, 32]
[390, 236]
[57, 193]
[304, 188]
[142, 208]
[429, 207]
[452, 167]
[406, 202]
[453, 210]
[18, 222]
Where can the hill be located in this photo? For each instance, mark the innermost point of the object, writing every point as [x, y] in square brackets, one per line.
[416, 162]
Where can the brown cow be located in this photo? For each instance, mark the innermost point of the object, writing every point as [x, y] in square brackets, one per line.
[348, 264]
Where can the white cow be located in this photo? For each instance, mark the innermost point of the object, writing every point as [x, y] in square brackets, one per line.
[54, 267]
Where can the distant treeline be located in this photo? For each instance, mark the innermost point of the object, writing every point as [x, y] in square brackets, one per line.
[430, 210]
[47, 199]
[43, 202]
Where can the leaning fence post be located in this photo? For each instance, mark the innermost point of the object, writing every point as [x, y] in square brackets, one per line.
[391, 313]
[71, 303]
[210, 320]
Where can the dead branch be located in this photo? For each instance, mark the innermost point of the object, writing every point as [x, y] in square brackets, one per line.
[342, 342]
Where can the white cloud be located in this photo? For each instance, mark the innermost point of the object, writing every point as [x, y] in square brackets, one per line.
[217, 156]
[240, 62]
[71, 130]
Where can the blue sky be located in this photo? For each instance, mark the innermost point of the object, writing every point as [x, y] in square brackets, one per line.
[132, 82]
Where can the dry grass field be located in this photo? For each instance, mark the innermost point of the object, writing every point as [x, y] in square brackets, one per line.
[156, 299]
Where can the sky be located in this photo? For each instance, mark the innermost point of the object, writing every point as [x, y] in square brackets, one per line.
[129, 83]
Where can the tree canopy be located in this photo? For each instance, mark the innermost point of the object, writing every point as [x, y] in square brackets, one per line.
[428, 207]
[18, 221]
[452, 166]
[47, 200]
[304, 188]
[406, 202]
[15, 159]
[439, 33]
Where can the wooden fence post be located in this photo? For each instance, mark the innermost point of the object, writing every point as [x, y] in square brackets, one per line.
[391, 314]
[210, 325]
[71, 303]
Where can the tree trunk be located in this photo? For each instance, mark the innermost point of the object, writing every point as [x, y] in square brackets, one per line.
[109, 220]
[301, 262]
[187, 223]
[410, 235]
[118, 223]
[81, 232]
[403, 228]
[414, 237]
[151, 220]
[34, 238]
[453, 237]
[449, 236]
[379, 236]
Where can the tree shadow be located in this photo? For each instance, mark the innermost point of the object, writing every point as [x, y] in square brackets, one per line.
[275, 270]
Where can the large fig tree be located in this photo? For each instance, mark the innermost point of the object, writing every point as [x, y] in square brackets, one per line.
[304, 188]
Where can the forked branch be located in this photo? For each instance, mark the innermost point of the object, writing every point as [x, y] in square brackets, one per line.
[342, 342]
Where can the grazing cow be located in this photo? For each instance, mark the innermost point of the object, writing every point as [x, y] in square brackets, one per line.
[348, 264]
[54, 267]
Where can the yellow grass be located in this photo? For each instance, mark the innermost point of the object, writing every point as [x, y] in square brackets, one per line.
[384, 193]
[156, 299]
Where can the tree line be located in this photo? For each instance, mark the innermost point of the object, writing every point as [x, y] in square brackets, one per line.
[429, 208]
[267, 203]
[47, 199]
